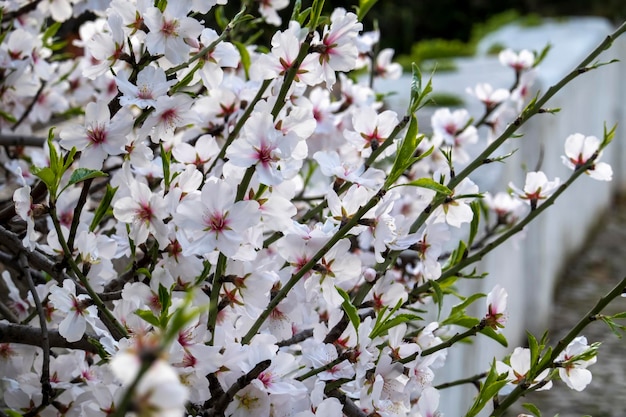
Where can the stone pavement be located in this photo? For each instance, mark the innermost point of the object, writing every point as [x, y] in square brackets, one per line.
[590, 275]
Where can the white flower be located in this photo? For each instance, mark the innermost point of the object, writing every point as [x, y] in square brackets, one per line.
[77, 310]
[518, 369]
[579, 149]
[496, 308]
[573, 370]
[536, 188]
[519, 62]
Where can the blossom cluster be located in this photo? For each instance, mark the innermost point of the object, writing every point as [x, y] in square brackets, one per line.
[218, 231]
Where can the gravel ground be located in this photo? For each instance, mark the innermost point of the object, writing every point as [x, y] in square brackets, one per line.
[591, 274]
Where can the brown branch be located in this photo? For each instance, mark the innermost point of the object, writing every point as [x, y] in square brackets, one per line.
[220, 406]
[350, 409]
[8, 314]
[27, 8]
[22, 140]
[27, 335]
[296, 338]
[30, 107]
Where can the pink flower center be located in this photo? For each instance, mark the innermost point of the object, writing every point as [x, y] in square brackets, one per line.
[145, 213]
[170, 28]
[97, 134]
[217, 222]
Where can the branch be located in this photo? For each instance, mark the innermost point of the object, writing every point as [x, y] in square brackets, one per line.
[46, 388]
[21, 140]
[242, 382]
[297, 338]
[27, 8]
[350, 409]
[547, 361]
[27, 335]
[471, 380]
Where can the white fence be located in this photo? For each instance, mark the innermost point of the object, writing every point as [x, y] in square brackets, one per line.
[529, 271]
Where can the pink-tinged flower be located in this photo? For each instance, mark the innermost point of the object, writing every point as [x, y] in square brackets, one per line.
[169, 113]
[213, 220]
[574, 360]
[370, 129]
[507, 208]
[77, 309]
[285, 49]
[169, 29]
[338, 48]
[453, 130]
[518, 61]
[488, 95]
[223, 55]
[99, 137]
[145, 212]
[264, 146]
[579, 149]
[269, 10]
[385, 68]
[103, 46]
[151, 84]
[496, 308]
[519, 365]
[537, 188]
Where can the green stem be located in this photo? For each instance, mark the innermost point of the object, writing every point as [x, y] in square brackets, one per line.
[239, 125]
[282, 293]
[117, 330]
[291, 74]
[210, 46]
[322, 368]
[454, 270]
[548, 361]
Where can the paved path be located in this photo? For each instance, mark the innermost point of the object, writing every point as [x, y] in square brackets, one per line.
[591, 274]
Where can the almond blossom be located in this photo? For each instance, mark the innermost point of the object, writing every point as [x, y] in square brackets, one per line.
[77, 309]
[579, 149]
[536, 188]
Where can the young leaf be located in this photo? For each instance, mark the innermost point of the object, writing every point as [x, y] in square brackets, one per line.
[349, 308]
[149, 317]
[532, 408]
[492, 334]
[475, 206]
[102, 209]
[364, 7]
[83, 174]
[245, 58]
[431, 185]
[404, 154]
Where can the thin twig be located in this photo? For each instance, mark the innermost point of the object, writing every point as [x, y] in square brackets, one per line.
[8, 314]
[46, 388]
[30, 107]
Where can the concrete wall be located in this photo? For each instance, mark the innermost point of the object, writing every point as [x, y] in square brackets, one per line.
[529, 269]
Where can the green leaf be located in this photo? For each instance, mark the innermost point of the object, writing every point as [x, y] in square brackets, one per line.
[166, 160]
[7, 116]
[439, 296]
[393, 322]
[533, 409]
[50, 31]
[492, 334]
[349, 308]
[404, 154]
[430, 184]
[475, 206]
[490, 388]
[535, 351]
[103, 208]
[459, 309]
[615, 328]
[48, 177]
[149, 317]
[364, 7]
[83, 174]
[245, 57]
[418, 94]
[165, 299]
[11, 413]
[542, 55]
[619, 315]
[608, 136]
